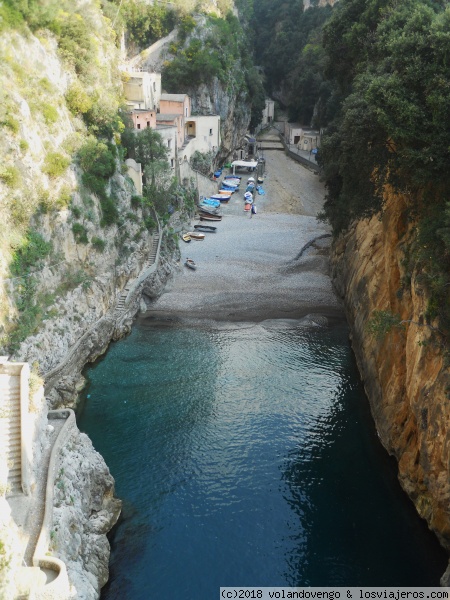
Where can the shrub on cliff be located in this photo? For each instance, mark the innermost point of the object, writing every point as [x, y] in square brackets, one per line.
[96, 158]
[29, 252]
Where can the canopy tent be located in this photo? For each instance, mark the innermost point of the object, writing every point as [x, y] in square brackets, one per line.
[244, 164]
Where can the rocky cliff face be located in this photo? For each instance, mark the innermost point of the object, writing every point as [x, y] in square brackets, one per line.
[71, 313]
[405, 372]
[84, 512]
[234, 111]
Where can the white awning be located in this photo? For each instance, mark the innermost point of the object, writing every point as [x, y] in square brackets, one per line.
[245, 163]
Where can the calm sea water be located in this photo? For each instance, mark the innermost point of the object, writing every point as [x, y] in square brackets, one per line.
[246, 455]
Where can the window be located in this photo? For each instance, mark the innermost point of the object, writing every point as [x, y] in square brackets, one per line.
[148, 123]
[186, 112]
[210, 132]
[138, 125]
[171, 162]
[169, 143]
[154, 86]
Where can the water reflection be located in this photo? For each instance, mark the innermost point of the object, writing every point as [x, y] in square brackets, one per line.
[245, 456]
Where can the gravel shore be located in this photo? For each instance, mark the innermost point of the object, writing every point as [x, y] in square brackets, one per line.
[249, 268]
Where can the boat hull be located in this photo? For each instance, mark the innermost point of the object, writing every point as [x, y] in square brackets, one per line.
[206, 228]
[197, 235]
[205, 217]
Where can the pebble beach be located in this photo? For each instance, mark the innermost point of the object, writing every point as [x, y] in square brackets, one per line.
[250, 269]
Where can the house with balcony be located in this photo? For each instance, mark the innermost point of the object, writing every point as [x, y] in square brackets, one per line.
[202, 134]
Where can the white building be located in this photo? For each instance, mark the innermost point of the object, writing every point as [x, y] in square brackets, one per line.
[142, 89]
[169, 135]
[202, 134]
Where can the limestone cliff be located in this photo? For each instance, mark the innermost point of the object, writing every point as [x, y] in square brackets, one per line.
[405, 372]
[71, 282]
[85, 510]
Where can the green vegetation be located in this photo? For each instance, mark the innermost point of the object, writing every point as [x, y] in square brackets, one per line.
[80, 233]
[221, 50]
[98, 243]
[10, 176]
[30, 305]
[202, 162]
[375, 74]
[11, 123]
[288, 42]
[147, 23]
[50, 114]
[382, 322]
[55, 164]
[31, 250]
[97, 160]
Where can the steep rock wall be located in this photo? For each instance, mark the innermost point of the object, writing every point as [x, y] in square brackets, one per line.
[85, 510]
[404, 372]
[230, 105]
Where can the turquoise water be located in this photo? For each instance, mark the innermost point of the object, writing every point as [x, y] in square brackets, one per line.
[245, 455]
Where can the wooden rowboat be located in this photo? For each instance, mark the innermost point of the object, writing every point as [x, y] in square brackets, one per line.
[190, 264]
[208, 211]
[195, 235]
[186, 237]
[205, 217]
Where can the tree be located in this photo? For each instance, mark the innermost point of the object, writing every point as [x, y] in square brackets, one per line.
[152, 153]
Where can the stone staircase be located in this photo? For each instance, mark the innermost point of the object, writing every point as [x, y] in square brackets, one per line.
[187, 139]
[148, 263]
[10, 431]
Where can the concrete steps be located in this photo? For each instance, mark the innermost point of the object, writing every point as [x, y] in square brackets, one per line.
[10, 431]
[148, 263]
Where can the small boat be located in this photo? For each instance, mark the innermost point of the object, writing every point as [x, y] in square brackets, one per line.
[210, 202]
[186, 237]
[235, 182]
[205, 217]
[233, 177]
[206, 228]
[195, 235]
[210, 206]
[251, 180]
[247, 207]
[190, 263]
[226, 193]
[226, 186]
[221, 197]
[209, 210]
[260, 180]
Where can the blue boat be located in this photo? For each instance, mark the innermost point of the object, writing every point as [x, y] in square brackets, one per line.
[220, 197]
[230, 188]
[210, 202]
